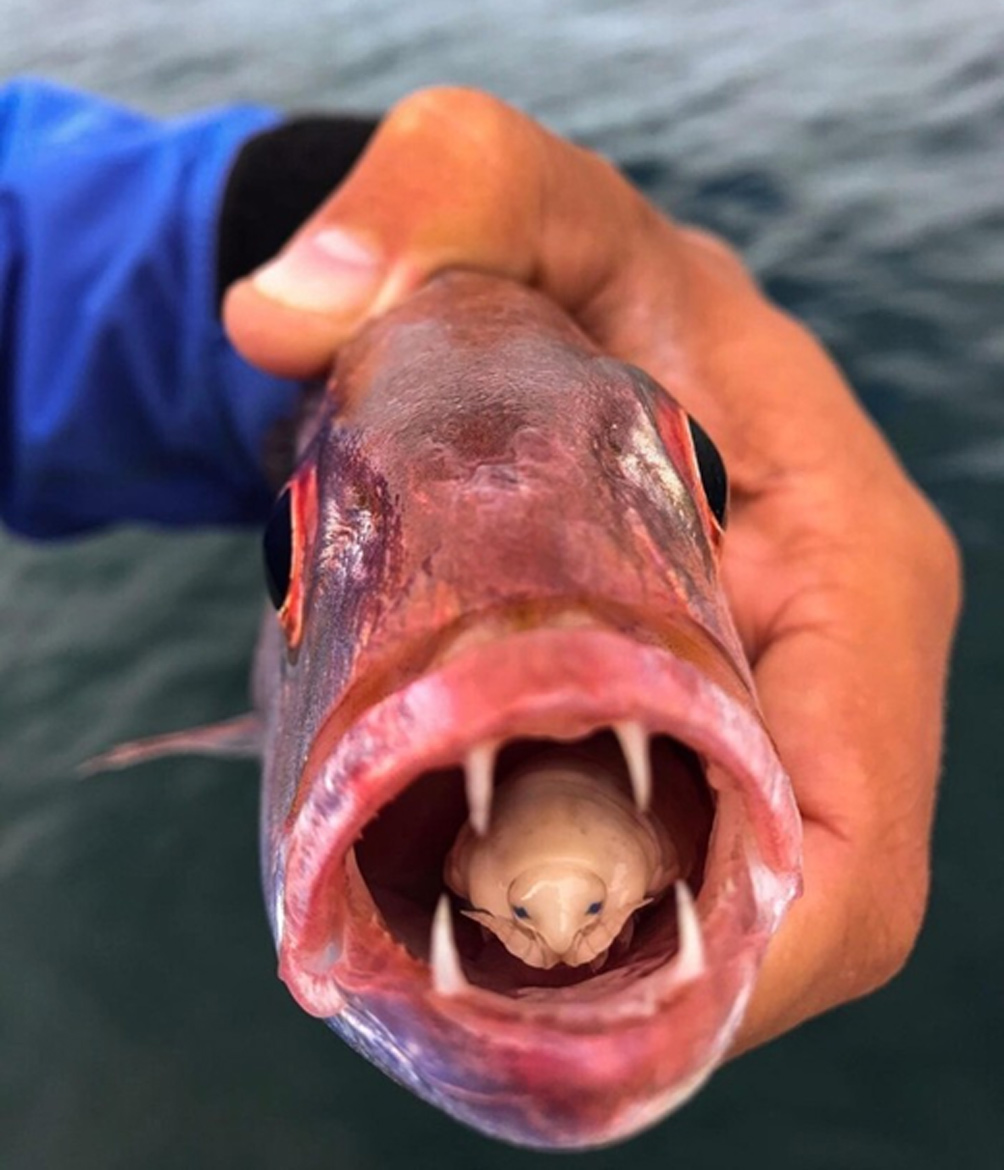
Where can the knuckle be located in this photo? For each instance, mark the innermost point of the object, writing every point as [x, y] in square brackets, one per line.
[940, 553]
[475, 112]
[718, 254]
[948, 555]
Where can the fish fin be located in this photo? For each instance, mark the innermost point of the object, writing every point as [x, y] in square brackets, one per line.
[238, 738]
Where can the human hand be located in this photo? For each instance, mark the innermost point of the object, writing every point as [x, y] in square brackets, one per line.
[843, 581]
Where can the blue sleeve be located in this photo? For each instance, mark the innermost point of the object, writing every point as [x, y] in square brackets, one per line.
[120, 397]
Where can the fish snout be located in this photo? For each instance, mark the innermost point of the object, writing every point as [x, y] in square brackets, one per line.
[558, 902]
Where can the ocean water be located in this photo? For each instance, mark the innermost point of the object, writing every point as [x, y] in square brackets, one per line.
[854, 151]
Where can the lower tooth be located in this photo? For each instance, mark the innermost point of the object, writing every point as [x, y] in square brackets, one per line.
[358, 890]
[447, 974]
[690, 962]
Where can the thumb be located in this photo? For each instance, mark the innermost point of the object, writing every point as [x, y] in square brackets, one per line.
[456, 178]
[453, 178]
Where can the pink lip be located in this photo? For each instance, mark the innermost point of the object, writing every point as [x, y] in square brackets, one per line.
[593, 1068]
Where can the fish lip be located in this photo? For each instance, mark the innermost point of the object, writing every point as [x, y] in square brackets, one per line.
[588, 678]
[436, 718]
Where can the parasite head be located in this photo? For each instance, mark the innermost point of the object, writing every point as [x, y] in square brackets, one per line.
[561, 904]
[566, 861]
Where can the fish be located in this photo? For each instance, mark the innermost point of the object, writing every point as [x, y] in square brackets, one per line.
[495, 582]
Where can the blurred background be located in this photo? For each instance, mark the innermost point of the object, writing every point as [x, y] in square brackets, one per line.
[854, 151]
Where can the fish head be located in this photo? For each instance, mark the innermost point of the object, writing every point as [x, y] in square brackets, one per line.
[498, 539]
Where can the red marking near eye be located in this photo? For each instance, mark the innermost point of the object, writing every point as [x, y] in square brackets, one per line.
[303, 510]
[671, 423]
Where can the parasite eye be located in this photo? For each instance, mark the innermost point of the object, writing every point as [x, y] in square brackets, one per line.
[521, 912]
[277, 546]
[594, 907]
[712, 469]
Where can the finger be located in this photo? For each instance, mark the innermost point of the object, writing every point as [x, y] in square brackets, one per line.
[453, 178]
[851, 674]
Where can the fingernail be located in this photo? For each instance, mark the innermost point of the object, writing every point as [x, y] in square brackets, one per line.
[328, 272]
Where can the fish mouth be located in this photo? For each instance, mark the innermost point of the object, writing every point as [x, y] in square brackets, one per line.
[570, 1056]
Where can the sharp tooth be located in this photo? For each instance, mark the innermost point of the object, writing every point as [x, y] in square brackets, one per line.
[356, 886]
[478, 769]
[448, 977]
[690, 961]
[634, 745]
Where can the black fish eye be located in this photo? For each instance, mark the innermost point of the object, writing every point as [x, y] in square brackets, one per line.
[594, 907]
[521, 912]
[277, 546]
[713, 478]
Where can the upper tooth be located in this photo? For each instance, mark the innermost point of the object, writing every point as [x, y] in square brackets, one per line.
[690, 962]
[478, 768]
[447, 975]
[634, 744]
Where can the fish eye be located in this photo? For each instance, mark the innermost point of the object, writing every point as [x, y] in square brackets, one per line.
[713, 477]
[594, 907]
[521, 912]
[277, 546]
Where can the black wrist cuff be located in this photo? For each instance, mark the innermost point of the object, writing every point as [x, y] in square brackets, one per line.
[278, 179]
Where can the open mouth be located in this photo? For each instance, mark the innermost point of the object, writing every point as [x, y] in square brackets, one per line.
[403, 853]
[365, 912]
